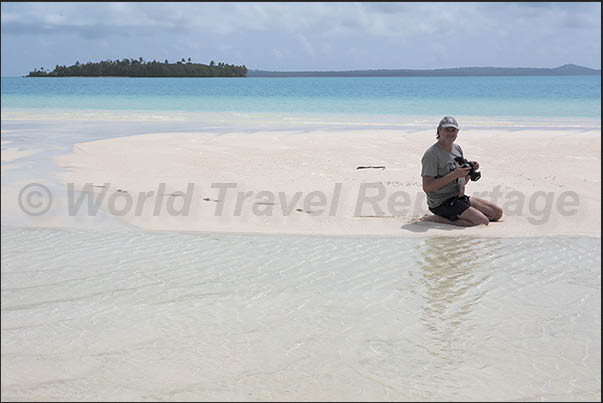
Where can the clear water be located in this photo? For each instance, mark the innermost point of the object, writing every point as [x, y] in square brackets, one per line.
[534, 96]
[132, 315]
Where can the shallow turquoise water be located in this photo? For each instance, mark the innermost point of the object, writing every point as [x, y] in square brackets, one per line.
[534, 96]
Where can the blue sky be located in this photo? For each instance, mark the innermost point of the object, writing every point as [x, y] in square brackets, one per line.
[304, 36]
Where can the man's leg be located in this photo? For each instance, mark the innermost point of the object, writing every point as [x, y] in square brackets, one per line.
[474, 216]
[468, 218]
[459, 221]
[490, 210]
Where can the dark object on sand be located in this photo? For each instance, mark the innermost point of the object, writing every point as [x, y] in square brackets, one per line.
[370, 166]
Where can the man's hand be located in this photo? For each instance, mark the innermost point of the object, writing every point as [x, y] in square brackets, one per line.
[431, 184]
[475, 164]
[460, 172]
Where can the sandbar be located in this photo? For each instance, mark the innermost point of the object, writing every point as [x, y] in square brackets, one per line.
[337, 182]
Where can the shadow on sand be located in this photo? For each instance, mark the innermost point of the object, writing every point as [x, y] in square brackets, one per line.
[427, 222]
[424, 224]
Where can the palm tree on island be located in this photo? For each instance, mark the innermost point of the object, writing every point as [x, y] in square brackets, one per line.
[140, 68]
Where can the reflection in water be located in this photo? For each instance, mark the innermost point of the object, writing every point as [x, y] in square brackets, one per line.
[290, 318]
[452, 272]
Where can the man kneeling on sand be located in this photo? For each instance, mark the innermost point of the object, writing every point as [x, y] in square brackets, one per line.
[444, 182]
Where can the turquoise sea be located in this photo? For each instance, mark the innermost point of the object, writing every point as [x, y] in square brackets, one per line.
[524, 96]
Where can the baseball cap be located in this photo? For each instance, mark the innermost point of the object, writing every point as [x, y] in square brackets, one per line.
[448, 121]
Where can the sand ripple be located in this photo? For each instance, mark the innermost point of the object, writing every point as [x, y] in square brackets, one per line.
[169, 316]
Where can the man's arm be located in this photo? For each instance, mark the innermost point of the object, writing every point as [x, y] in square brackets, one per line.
[431, 183]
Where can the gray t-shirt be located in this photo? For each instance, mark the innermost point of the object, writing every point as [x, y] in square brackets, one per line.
[438, 162]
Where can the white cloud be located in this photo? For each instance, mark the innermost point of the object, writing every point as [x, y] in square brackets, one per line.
[395, 35]
[381, 19]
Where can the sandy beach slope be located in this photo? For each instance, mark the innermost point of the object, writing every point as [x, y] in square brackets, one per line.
[548, 182]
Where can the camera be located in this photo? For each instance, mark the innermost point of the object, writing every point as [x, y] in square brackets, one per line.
[473, 174]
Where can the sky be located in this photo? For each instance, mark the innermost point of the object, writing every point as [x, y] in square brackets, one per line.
[303, 36]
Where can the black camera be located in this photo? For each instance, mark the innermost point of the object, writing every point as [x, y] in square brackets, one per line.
[473, 174]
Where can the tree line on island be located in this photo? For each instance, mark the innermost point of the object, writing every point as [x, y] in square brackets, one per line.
[140, 68]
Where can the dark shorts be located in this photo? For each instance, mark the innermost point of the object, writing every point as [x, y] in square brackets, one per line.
[452, 208]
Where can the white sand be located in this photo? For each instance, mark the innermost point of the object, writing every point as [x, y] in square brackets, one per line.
[549, 181]
[12, 154]
[9, 167]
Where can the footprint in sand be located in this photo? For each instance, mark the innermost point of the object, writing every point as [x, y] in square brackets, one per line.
[307, 212]
[172, 194]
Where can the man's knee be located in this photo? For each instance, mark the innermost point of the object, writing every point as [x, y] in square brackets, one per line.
[475, 216]
[492, 211]
[497, 213]
[483, 220]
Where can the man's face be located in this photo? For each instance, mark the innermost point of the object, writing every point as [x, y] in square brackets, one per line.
[448, 134]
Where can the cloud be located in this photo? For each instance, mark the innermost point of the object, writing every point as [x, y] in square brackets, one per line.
[99, 31]
[307, 46]
[89, 20]
[380, 19]
[308, 35]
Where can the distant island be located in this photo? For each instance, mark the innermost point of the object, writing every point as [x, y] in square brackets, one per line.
[140, 68]
[185, 68]
[565, 70]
